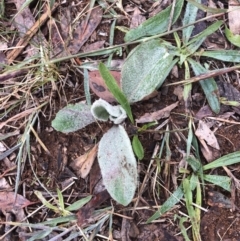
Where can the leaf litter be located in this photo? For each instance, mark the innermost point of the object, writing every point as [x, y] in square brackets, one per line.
[69, 41]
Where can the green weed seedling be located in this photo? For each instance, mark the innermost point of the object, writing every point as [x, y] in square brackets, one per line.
[59, 206]
[116, 152]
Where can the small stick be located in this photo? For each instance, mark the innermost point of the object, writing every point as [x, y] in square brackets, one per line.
[208, 75]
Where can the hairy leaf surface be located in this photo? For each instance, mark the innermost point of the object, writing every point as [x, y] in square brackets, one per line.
[118, 165]
[72, 118]
[145, 69]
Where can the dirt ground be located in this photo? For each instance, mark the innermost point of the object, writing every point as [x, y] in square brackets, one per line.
[54, 168]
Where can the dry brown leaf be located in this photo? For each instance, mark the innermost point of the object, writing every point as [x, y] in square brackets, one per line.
[95, 179]
[8, 202]
[205, 111]
[203, 132]
[137, 18]
[98, 86]
[86, 213]
[233, 16]
[157, 115]
[211, 4]
[209, 152]
[23, 21]
[24, 41]
[4, 184]
[178, 91]
[94, 46]
[81, 34]
[83, 164]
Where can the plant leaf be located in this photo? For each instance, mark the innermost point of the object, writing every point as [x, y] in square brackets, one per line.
[45, 202]
[209, 86]
[171, 201]
[232, 38]
[221, 181]
[190, 209]
[195, 42]
[145, 69]
[102, 110]
[41, 235]
[60, 199]
[189, 17]
[72, 118]
[137, 147]
[205, 8]
[118, 165]
[115, 90]
[156, 24]
[226, 160]
[78, 204]
[55, 221]
[223, 55]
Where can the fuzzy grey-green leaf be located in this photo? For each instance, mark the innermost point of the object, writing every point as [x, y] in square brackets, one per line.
[156, 24]
[118, 165]
[145, 69]
[72, 118]
[103, 111]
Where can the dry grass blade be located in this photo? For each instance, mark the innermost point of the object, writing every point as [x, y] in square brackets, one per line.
[12, 74]
[146, 177]
[18, 116]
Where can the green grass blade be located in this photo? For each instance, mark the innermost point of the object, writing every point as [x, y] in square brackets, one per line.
[55, 221]
[171, 201]
[188, 87]
[205, 8]
[209, 86]
[191, 211]
[194, 163]
[223, 55]
[183, 228]
[196, 41]
[232, 38]
[189, 17]
[78, 204]
[60, 199]
[115, 90]
[45, 202]
[198, 210]
[190, 137]
[226, 160]
[40, 235]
